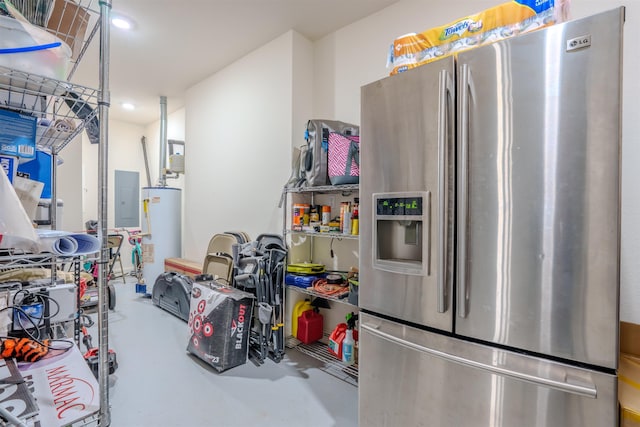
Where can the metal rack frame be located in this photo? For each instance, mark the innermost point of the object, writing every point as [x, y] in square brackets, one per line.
[62, 101]
[332, 366]
[43, 97]
[317, 350]
[17, 259]
[326, 235]
[318, 295]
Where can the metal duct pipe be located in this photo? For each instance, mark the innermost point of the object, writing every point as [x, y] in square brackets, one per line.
[163, 142]
[143, 141]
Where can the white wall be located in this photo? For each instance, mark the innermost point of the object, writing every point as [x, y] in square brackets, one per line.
[69, 186]
[125, 153]
[302, 87]
[356, 54]
[239, 136]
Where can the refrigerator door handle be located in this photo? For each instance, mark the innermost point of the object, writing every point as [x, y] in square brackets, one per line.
[463, 132]
[443, 172]
[563, 386]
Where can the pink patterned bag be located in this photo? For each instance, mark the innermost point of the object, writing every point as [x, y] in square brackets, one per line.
[343, 159]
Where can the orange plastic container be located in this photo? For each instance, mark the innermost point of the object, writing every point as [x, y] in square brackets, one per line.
[336, 338]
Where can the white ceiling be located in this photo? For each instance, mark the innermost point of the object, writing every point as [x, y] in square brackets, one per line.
[176, 44]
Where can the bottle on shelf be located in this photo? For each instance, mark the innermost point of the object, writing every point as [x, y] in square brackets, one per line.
[348, 348]
[348, 342]
[314, 215]
[345, 218]
[326, 214]
[347, 222]
[355, 221]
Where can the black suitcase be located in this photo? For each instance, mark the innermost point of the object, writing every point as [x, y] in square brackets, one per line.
[172, 292]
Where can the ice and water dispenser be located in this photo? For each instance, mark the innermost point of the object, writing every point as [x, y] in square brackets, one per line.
[401, 232]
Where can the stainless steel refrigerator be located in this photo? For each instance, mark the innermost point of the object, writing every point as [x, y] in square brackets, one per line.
[490, 234]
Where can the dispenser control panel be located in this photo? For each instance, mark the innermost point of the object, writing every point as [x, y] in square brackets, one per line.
[401, 232]
[399, 206]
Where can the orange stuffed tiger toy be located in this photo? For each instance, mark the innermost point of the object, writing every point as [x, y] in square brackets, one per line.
[24, 349]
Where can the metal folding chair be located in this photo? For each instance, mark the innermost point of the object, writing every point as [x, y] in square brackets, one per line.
[114, 243]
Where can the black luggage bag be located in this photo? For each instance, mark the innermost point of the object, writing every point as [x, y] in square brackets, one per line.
[172, 292]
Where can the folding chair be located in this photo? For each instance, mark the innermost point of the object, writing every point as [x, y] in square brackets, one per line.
[114, 243]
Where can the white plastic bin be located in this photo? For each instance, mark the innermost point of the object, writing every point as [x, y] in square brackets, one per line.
[23, 47]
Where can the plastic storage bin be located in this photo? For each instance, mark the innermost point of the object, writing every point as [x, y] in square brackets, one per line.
[10, 165]
[23, 47]
[39, 169]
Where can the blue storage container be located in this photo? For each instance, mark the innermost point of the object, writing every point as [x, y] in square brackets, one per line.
[17, 135]
[302, 281]
[38, 169]
[9, 165]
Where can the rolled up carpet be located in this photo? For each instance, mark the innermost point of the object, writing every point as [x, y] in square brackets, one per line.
[64, 243]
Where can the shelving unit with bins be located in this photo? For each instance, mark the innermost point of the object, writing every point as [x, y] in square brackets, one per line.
[317, 247]
[69, 109]
[16, 259]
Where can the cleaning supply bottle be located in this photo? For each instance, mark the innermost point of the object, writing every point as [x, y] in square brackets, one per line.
[348, 343]
[348, 348]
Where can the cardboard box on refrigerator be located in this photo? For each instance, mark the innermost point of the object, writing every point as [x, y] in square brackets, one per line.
[629, 375]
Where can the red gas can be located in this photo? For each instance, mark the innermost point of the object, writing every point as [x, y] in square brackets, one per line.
[310, 326]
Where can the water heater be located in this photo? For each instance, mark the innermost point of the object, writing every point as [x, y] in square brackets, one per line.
[161, 229]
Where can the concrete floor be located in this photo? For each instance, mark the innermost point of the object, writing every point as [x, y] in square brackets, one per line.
[159, 384]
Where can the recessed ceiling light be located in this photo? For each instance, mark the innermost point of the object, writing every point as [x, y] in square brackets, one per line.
[122, 23]
[128, 106]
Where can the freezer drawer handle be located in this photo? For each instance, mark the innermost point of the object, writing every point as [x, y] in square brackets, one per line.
[580, 390]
